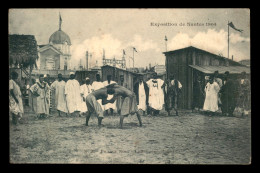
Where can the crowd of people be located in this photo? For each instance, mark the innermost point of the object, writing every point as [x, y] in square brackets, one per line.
[147, 98]
[227, 94]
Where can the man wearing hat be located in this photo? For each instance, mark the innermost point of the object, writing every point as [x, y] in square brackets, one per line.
[60, 101]
[72, 93]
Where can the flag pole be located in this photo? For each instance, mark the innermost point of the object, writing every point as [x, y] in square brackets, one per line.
[133, 58]
[165, 43]
[59, 22]
[165, 61]
[228, 39]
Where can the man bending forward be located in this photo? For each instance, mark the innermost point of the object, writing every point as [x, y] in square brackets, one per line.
[94, 106]
[129, 105]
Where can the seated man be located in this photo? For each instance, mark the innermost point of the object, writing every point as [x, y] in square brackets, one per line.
[129, 105]
[94, 106]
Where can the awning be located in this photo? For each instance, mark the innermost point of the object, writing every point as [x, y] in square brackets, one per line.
[221, 69]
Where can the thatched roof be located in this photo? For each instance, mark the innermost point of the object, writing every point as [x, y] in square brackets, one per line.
[22, 50]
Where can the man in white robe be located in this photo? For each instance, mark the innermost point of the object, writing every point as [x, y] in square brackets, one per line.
[72, 93]
[156, 95]
[41, 90]
[60, 100]
[97, 85]
[86, 89]
[211, 99]
[109, 106]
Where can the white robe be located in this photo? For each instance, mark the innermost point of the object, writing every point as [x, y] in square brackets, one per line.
[73, 97]
[142, 97]
[211, 100]
[97, 85]
[109, 105]
[14, 107]
[42, 100]
[60, 99]
[85, 91]
[156, 96]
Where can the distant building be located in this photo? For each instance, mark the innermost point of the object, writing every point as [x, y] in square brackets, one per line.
[56, 54]
[97, 69]
[245, 62]
[188, 63]
[136, 69]
[130, 78]
[80, 76]
[160, 69]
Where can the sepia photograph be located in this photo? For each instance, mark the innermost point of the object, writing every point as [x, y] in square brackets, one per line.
[129, 86]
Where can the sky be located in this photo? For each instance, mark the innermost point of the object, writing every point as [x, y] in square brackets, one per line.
[115, 30]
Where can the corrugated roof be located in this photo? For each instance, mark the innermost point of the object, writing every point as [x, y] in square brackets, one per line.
[221, 69]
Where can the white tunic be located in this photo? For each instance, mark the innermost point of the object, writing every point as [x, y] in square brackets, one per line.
[211, 100]
[60, 99]
[97, 85]
[142, 97]
[73, 97]
[156, 96]
[109, 105]
[85, 90]
[83, 107]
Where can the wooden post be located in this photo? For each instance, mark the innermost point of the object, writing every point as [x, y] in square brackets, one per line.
[87, 60]
[228, 39]
[133, 58]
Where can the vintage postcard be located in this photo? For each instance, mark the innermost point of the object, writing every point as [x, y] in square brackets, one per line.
[130, 86]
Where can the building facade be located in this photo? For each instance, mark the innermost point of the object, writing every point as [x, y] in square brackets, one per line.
[55, 55]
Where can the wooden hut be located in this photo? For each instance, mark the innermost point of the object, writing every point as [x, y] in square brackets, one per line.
[130, 78]
[184, 63]
[81, 76]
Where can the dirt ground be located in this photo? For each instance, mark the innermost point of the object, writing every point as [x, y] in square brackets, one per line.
[190, 138]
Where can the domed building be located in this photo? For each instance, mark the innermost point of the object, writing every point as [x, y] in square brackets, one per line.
[56, 54]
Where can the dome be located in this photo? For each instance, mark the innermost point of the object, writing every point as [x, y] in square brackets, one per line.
[59, 37]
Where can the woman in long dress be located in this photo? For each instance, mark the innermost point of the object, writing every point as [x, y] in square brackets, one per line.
[211, 100]
[15, 98]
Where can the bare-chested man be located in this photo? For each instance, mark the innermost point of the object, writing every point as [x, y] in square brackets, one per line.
[94, 106]
[129, 105]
